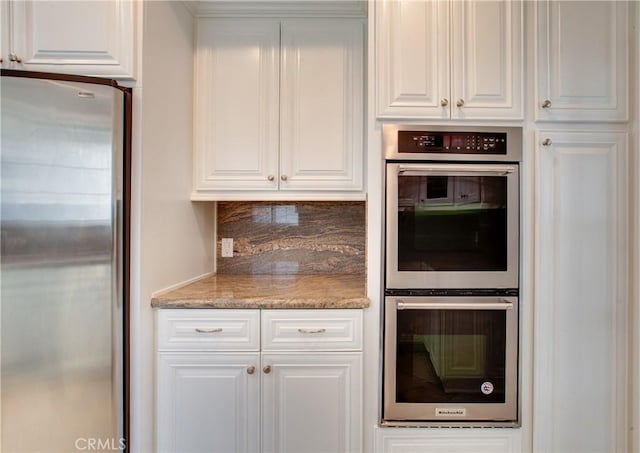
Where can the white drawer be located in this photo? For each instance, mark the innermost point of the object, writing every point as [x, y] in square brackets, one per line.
[209, 329]
[320, 330]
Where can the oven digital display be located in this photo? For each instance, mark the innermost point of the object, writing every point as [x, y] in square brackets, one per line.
[421, 142]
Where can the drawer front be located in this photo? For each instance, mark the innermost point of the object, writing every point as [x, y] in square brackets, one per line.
[320, 330]
[236, 330]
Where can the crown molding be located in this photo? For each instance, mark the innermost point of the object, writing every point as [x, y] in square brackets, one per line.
[278, 9]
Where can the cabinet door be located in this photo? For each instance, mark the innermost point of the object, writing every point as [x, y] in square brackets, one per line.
[321, 129]
[208, 402]
[581, 308]
[412, 59]
[487, 59]
[94, 38]
[4, 35]
[312, 402]
[582, 60]
[236, 104]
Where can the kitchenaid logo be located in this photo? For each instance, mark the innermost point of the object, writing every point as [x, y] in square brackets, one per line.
[97, 444]
[451, 412]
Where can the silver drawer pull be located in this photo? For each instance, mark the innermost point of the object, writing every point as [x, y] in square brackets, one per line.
[312, 330]
[214, 330]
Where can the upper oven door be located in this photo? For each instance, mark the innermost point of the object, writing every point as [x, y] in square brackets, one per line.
[452, 225]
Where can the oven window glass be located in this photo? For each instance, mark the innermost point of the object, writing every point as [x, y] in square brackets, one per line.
[451, 356]
[452, 223]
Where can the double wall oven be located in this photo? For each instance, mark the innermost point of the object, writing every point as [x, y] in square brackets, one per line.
[452, 279]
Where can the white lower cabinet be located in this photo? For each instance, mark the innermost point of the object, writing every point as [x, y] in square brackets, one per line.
[447, 440]
[208, 402]
[228, 395]
[311, 402]
[581, 305]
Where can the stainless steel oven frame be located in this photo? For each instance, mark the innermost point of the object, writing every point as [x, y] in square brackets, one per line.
[451, 414]
[396, 279]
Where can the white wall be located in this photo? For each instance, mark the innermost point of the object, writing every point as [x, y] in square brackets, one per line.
[172, 237]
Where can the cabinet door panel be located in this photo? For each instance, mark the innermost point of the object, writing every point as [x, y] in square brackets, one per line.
[220, 330]
[208, 402]
[582, 60]
[328, 330]
[236, 104]
[412, 59]
[312, 402]
[321, 129]
[94, 38]
[487, 59]
[4, 35]
[581, 306]
[446, 440]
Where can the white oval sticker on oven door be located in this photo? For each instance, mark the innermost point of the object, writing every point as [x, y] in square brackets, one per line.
[486, 388]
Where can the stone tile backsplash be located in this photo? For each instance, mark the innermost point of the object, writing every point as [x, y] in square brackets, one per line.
[292, 237]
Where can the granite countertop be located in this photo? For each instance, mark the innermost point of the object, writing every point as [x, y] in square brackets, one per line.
[268, 291]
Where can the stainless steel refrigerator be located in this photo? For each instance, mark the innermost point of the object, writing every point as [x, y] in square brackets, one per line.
[65, 153]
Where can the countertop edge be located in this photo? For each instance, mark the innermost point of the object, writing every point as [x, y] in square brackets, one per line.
[318, 291]
[282, 304]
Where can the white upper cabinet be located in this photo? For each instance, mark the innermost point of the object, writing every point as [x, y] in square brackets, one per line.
[487, 59]
[279, 109]
[412, 64]
[93, 38]
[582, 60]
[236, 104]
[321, 107]
[446, 59]
[4, 35]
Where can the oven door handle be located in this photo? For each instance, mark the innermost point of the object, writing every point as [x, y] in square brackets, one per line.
[402, 305]
[453, 169]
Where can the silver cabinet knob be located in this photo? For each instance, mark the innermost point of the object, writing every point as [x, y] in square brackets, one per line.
[15, 58]
[283, 177]
[460, 102]
[271, 177]
[444, 102]
[267, 369]
[546, 104]
[251, 370]
[547, 142]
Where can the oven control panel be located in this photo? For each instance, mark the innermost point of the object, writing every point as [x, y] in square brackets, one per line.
[452, 142]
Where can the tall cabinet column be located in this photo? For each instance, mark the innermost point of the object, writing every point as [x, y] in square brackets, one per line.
[581, 298]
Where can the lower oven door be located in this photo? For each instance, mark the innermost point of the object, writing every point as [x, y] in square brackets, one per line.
[451, 359]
